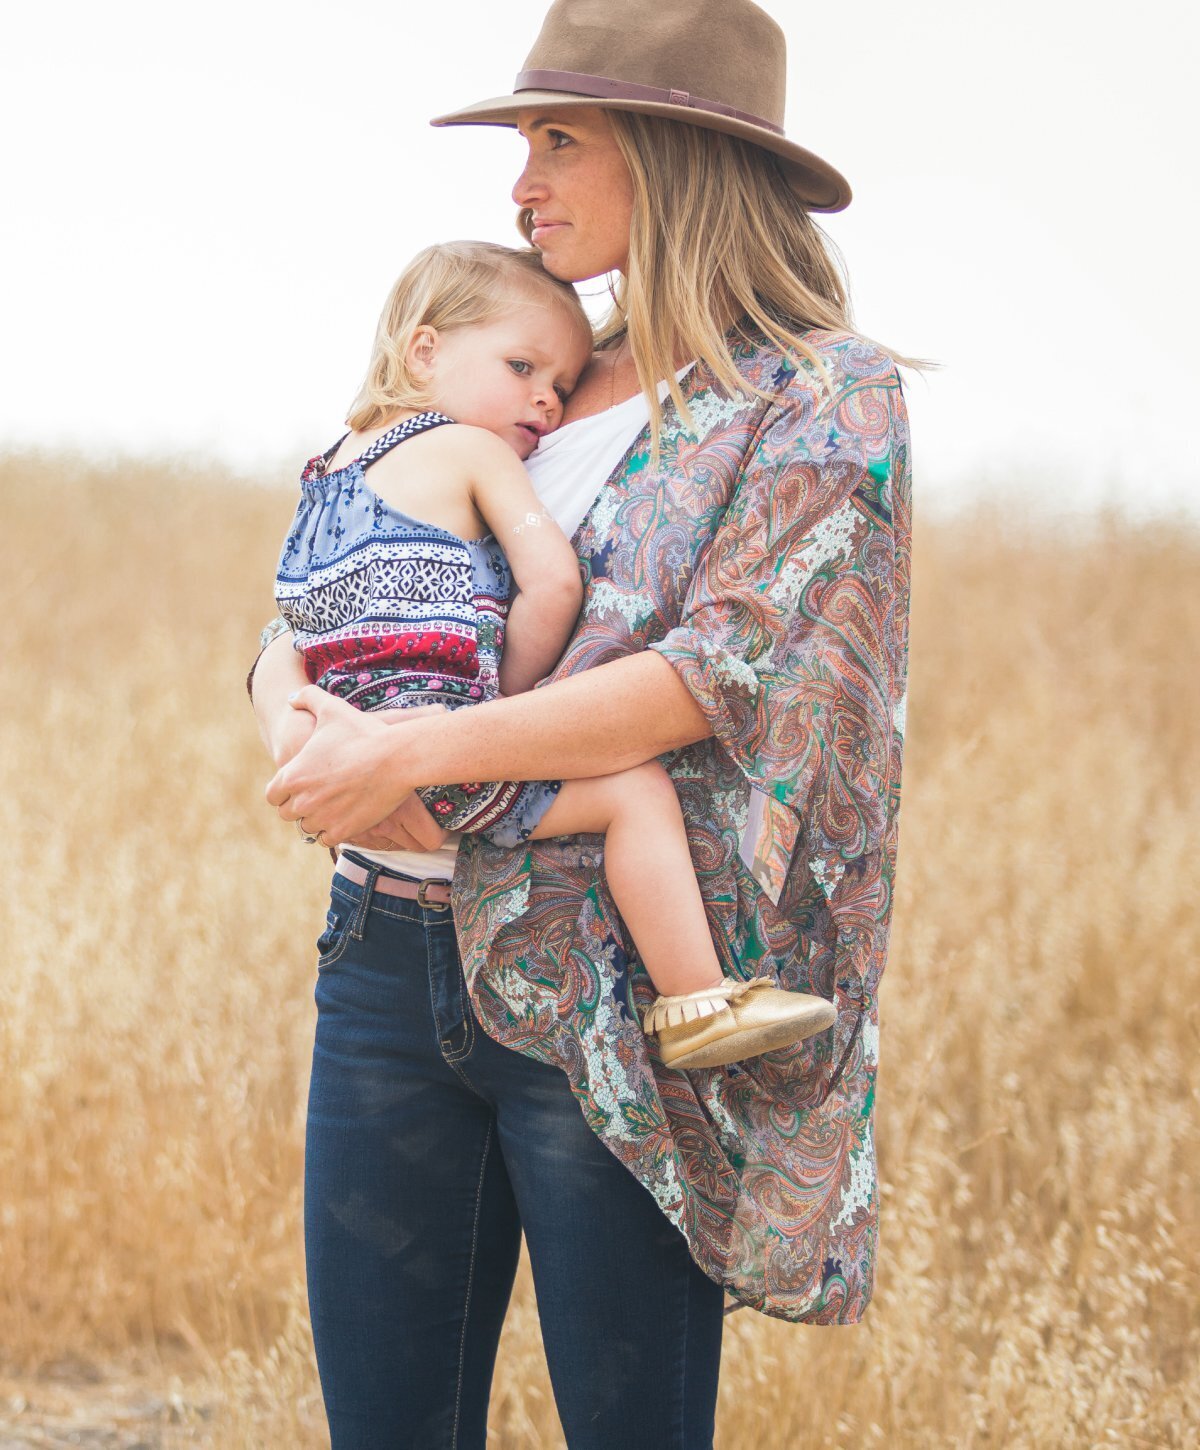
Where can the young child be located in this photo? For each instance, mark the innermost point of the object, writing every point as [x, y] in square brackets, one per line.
[398, 593]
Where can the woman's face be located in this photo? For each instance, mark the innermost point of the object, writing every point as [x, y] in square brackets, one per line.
[578, 187]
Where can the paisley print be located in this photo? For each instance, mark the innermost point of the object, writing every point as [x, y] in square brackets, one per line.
[766, 559]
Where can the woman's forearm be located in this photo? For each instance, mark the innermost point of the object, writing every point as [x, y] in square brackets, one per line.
[595, 723]
[358, 768]
[278, 673]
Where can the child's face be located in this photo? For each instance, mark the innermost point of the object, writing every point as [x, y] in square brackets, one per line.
[511, 376]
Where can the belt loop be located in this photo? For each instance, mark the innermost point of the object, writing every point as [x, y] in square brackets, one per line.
[358, 924]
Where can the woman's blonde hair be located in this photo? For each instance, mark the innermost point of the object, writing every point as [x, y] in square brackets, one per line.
[447, 286]
[719, 239]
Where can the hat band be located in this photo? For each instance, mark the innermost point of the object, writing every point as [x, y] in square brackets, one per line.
[607, 90]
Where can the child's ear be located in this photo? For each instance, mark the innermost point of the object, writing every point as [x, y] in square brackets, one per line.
[422, 349]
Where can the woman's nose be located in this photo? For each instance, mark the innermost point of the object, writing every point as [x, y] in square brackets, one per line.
[528, 187]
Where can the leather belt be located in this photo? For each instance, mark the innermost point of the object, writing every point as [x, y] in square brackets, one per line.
[433, 892]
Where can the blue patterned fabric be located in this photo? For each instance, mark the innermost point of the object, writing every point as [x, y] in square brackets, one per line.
[390, 612]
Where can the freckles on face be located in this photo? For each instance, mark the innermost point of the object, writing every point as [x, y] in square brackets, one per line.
[578, 188]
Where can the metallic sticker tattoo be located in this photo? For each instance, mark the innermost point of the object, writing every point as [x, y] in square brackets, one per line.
[531, 521]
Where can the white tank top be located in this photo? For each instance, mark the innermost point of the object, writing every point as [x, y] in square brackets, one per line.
[568, 469]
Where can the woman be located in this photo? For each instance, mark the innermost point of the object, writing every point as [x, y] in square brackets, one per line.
[746, 565]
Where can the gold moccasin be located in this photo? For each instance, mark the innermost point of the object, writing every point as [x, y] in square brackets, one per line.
[736, 1020]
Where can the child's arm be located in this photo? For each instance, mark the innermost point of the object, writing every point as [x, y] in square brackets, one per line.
[543, 614]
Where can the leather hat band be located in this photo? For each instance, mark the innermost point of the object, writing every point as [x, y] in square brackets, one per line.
[604, 89]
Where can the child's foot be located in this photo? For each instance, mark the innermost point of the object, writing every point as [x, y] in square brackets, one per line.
[736, 1020]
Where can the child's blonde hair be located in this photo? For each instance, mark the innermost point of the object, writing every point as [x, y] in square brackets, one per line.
[450, 285]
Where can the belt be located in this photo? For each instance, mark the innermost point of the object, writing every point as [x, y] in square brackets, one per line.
[433, 892]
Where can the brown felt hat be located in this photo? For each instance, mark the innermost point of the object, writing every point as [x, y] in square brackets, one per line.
[720, 64]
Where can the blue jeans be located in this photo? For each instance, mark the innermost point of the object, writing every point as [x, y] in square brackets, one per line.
[430, 1148]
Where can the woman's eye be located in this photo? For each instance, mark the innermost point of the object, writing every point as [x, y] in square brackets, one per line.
[520, 366]
[558, 139]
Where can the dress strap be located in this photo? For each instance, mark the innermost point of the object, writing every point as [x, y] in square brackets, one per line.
[326, 458]
[421, 423]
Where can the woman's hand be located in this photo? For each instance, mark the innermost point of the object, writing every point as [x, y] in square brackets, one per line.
[410, 827]
[349, 777]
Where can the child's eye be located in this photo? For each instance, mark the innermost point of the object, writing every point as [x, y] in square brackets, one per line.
[520, 366]
[563, 394]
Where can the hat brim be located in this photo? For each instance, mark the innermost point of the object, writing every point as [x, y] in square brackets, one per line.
[819, 186]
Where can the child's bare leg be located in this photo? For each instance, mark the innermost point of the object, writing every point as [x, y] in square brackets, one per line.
[701, 1019]
[649, 869]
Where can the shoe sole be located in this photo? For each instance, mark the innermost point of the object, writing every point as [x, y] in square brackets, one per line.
[754, 1041]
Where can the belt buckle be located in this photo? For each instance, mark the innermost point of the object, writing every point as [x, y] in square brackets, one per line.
[423, 899]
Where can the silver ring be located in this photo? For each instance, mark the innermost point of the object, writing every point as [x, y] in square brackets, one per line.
[305, 837]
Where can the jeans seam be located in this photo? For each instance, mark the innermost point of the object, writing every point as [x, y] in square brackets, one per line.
[335, 953]
[451, 1059]
[681, 1411]
[468, 1017]
[462, 1344]
[454, 1058]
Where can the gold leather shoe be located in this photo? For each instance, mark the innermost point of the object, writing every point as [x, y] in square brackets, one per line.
[736, 1020]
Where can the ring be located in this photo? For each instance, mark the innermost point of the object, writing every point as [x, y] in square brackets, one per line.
[307, 839]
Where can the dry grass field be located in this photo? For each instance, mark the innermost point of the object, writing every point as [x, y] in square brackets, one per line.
[1038, 1115]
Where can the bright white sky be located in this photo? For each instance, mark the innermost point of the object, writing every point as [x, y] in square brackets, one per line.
[204, 206]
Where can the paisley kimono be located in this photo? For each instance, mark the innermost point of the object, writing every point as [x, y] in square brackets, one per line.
[766, 559]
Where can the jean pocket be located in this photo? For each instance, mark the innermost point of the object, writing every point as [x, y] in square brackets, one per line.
[332, 941]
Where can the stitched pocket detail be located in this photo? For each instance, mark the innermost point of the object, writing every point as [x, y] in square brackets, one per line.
[332, 941]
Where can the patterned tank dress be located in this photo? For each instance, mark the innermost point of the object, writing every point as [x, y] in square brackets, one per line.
[389, 612]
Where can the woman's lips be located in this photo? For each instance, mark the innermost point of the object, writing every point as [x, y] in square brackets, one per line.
[543, 229]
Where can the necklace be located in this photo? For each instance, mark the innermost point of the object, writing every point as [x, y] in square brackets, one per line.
[612, 381]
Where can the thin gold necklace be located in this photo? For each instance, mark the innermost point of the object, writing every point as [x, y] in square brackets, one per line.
[612, 381]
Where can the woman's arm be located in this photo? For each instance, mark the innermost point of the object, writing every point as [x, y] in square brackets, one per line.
[277, 675]
[797, 592]
[355, 770]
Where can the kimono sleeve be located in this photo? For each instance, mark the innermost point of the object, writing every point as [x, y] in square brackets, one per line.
[786, 638]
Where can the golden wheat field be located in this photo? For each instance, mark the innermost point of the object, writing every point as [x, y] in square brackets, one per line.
[1039, 1278]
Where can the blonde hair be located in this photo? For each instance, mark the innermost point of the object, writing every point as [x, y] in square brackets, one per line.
[448, 286]
[718, 238]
